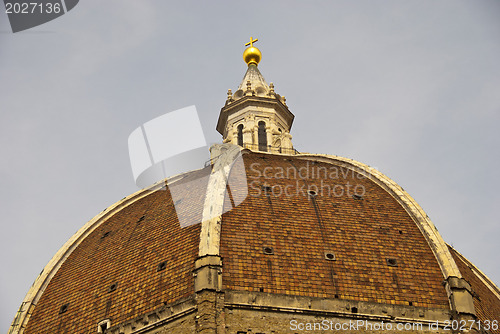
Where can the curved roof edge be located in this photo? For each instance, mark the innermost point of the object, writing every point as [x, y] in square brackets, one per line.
[42, 281]
[443, 256]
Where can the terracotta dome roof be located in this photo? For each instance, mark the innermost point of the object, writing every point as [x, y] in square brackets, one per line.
[311, 226]
[350, 216]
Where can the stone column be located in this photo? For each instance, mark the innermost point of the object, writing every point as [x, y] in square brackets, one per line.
[255, 137]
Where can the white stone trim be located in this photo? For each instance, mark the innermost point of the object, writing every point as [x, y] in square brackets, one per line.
[42, 281]
[224, 156]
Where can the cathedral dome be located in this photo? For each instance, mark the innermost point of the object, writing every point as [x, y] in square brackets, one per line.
[312, 237]
[314, 232]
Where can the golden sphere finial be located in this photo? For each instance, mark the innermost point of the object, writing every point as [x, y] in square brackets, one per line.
[252, 55]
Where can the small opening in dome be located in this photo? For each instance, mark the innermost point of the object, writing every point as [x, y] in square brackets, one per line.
[392, 262]
[330, 256]
[112, 287]
[161, 266]
[410, 303]
[142, 218]
[400, 232]
[267, 189]
[63, 308]
[261, 289]
[105, 234]
[358, 197]
[102, 326]
[312, 193]
[354, 310]
[336, 296]
[268, 250]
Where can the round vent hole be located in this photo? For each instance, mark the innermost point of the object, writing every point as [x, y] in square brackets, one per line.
[357, 197]
[161, 266]
[112, 287]
[267, 189]
[312, 193]
[330, 256]
[63, 308]
[392, 262]
[268, 250]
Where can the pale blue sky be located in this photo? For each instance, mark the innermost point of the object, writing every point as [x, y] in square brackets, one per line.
[410, 87]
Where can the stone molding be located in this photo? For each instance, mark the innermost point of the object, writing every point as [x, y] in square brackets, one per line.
[459, 292]
[208, 273]
[157, 318]
[338, 308]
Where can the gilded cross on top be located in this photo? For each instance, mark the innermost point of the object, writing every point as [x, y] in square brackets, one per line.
[251, 42]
